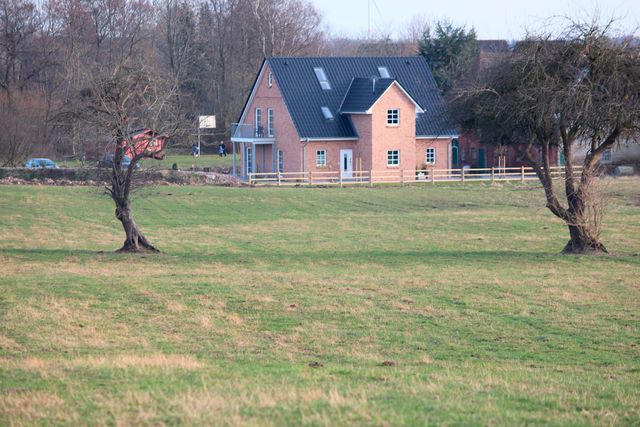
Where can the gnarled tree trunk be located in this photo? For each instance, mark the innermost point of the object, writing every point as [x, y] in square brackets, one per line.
[584, 208]
[120, 191]
[135, 241]
[583, 241]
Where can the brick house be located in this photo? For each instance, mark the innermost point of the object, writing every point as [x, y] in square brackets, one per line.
[343, 114]
[467, 150]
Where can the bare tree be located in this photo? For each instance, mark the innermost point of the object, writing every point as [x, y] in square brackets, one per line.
[551, 94]
[139, 110]
[236, 35]
[286, 27]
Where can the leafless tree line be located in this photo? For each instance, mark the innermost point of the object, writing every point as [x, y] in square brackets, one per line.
[212, 46]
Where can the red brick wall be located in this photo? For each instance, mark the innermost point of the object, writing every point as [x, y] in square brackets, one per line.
[332, 149]
[376, 137]
[393, 137]
[443, 153]
[363, 152]
[286, 136]
[470, 144]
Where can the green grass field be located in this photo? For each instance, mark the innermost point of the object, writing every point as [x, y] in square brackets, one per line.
[186, 161]
[446, 304]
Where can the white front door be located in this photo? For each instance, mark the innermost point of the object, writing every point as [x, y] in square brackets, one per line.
[346, 163]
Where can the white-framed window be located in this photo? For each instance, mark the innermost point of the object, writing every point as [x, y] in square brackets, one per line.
[259, 130]
[321, 157]
[463, 153]
[270, 79]
[431, 156]
[322, 78]
[270, 122]
[393, 158]
[606, 156]
[384, 72]
[249, 160]
[393, 117]
[280, 161]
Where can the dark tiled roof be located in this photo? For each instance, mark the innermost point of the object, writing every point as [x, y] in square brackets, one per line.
[304, 97]
[363, 93]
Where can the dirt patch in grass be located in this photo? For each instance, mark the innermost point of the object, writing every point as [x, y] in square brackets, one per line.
[175, 307]
[234, 319]
[204, 321]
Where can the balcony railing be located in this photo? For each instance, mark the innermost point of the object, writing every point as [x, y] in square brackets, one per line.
[249, 131]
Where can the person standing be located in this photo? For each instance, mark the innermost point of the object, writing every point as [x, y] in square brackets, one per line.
[222, 150]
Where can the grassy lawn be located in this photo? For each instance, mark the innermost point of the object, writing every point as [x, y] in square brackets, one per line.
[186, 161]
[444, 304]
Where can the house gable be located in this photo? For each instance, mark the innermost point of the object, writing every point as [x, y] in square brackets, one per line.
[264, 80]
[267, 97]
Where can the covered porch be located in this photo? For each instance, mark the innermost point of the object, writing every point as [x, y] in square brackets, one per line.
[257, 150]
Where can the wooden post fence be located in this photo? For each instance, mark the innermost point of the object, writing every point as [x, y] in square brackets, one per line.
[399, 176]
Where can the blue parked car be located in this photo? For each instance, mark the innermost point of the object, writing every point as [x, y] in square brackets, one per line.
[40, 163]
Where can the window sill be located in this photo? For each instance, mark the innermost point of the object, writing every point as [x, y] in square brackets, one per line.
[393, 126]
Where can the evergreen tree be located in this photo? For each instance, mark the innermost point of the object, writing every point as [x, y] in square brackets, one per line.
[449, 51]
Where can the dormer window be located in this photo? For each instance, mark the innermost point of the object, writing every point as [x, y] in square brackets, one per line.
[384, 72]
[326, 112]
[322, 78]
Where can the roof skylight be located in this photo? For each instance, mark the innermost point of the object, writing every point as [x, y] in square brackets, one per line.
[384, 72]
[322, 78]
[327, 113]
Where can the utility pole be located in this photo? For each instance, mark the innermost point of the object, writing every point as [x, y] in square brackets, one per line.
[369, 19]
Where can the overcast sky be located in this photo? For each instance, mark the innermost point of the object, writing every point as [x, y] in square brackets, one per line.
[492, 19]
